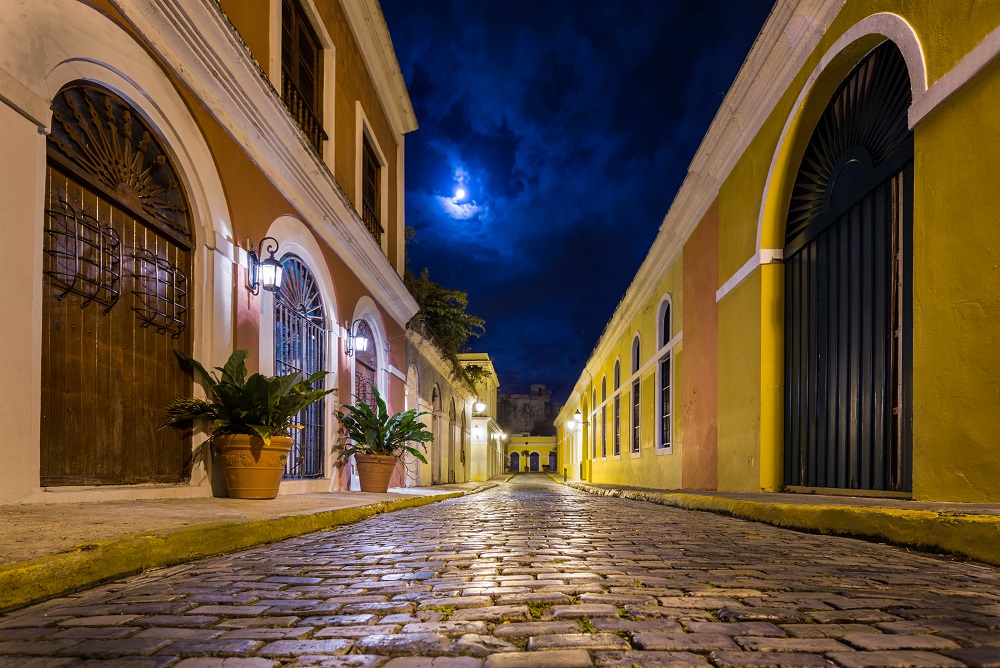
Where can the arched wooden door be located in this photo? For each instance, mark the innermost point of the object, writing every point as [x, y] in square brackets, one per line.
[847, 288]
[533, 461]
[115, 297]
[300, 345]
[552, 461]
[515, 462]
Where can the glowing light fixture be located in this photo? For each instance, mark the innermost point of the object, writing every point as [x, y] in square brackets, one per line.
[480, 405]
[355, 340]
[266, 273]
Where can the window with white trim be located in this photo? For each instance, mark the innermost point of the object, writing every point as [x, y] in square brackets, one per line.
[593, 423]
[617, 441]
[664, 406]
[636, 403]
[604, 417]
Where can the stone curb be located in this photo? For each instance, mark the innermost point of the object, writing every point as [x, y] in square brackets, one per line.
[969, 535]
[26, 582]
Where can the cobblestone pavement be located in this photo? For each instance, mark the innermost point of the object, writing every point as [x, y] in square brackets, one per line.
[530, 573]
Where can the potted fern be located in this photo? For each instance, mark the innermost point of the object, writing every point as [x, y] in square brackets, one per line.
[252, 421]
[378, 440]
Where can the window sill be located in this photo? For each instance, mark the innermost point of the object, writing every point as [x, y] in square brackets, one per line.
[635, 455]
[616, 457]
[664, 451]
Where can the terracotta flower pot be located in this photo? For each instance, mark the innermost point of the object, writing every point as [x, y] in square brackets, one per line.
[374, 472]
[253, 470]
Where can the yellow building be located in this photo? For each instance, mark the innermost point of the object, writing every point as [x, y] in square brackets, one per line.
[820, 311]
[526, 454]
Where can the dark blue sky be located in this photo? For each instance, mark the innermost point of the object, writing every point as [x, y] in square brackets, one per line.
[570, 124]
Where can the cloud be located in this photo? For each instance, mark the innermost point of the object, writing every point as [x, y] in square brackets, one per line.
[571, 125]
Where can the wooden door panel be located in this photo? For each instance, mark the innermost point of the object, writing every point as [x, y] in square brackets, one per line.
[106, 377]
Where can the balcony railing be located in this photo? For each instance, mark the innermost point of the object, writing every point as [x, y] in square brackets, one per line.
[303, 114]
[371, 222]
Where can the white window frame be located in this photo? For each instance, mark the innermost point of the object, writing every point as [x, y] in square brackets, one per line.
[327, 85]
[616, 417]
[664, 353]
[635, 431]
[363, 130]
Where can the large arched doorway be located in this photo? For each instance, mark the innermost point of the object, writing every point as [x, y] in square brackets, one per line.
[533, 461]
[515, 462]
[116, 297]
[452, 428]
[365, 365]
[437, 408]
[300, 345]
[847, 283]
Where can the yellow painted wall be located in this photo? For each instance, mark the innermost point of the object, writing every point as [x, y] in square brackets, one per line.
[651, 468]
[956, 329]
[739, 387]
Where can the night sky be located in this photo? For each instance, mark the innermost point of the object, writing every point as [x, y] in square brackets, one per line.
[569, 125]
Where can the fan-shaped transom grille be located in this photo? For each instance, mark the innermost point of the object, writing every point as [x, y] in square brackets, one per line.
[862, 125]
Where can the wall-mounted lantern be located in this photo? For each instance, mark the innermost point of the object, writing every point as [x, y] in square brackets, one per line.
[356, 341]
[479, 406]
[266, 273]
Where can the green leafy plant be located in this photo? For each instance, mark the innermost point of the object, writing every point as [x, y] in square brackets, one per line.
[370, 430]
[261, 405]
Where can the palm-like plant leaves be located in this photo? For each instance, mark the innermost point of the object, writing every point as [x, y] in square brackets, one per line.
[370, 430]
[261, 405]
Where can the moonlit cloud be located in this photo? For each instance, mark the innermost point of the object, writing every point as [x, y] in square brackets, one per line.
[570, 124]
[459, 211]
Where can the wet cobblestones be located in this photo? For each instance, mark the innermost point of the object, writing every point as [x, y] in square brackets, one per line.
[528, 574]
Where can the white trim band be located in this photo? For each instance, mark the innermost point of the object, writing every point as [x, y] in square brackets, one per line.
[763, 256]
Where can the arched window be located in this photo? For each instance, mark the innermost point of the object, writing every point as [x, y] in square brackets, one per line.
[617, 445]
[366, 366]
[604, 417]
[300, 345]
[593, 423]
[847, 274]
[663, 439]
[117, 267]
[636, 400]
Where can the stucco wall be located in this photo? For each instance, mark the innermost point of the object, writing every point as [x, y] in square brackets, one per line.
[699, 396]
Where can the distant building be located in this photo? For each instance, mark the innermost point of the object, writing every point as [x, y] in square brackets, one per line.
[531, 413]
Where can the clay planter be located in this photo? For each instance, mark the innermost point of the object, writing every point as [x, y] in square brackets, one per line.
[253, 470]
[374, 472]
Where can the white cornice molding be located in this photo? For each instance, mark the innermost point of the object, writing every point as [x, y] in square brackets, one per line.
[368, 24]
[789, 37]
[198, 43]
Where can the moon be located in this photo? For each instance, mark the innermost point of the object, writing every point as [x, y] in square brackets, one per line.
[460, 193]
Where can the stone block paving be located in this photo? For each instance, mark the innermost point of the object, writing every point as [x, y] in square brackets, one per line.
[528, 574]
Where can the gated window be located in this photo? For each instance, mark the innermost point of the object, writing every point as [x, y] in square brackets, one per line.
[371, 190]
[302, 72]
[847, 268]
[117, 259]
[617, 446]
[636, 404]
[604, 417]
[664, 372]
[366, 366]
[300, 345]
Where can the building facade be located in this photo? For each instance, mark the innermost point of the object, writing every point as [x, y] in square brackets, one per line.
[147, 147]
[488, 437]
[819, 311]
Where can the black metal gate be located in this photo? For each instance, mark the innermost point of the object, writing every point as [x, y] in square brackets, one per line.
[847, 313]
[300, 345]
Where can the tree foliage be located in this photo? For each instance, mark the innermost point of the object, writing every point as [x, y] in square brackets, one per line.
[442, 318]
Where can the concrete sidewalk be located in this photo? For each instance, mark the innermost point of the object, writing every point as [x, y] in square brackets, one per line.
[965, 529]
[51, 549]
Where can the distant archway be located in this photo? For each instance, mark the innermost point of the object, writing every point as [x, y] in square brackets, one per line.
[515, 462]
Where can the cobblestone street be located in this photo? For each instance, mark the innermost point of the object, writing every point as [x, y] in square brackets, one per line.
[531, 573]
